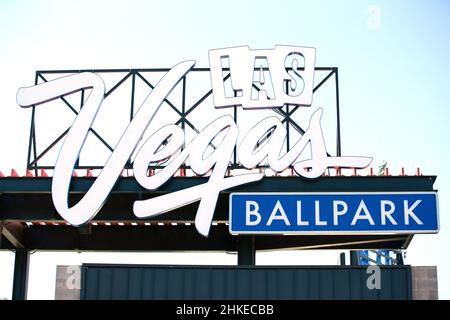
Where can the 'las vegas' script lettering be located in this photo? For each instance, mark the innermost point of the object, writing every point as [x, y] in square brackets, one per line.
[167, 143]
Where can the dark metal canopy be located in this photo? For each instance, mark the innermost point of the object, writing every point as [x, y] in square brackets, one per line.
[30, 221]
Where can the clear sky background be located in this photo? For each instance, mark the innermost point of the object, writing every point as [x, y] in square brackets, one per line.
[394, 78]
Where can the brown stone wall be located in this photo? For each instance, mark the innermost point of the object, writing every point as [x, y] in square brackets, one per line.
[424, 283]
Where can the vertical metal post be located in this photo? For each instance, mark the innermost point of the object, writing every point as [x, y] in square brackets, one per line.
[20, 283]
[133, 90]
[288, 119]
[235, 120]
[82, 100]
[338, 133]
[32, 144]
[246, 250]
[183, 121]
[183, 105]
[342, 259]
[133, 84]
[399, 258]
[77, 163]
[354, 258]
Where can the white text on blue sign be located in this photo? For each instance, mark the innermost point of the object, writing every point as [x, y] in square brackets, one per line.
[333, 213]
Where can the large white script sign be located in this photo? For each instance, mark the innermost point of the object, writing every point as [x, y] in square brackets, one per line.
[167, 143]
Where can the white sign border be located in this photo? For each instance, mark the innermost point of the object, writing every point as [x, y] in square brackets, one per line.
[383, 232]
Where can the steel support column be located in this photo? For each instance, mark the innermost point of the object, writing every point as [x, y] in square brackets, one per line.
[354, 258]
[342, 259]
[399, 258]
[20, 284]
[246, 250]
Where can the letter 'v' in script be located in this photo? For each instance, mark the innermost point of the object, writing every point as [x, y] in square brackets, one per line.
[94, 199]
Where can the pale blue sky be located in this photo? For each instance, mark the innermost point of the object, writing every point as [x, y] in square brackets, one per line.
[394, 78]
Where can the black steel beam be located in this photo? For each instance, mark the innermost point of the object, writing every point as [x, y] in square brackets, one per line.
[291, 184]
[186, 238]
[29, 199]
[20, 282]
[13, 231]
[154, 70]
[246, 250]
[354, 260]
[342, 258]
[129, 238]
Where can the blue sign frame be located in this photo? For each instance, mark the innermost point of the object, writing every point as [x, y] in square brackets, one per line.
[334, 213]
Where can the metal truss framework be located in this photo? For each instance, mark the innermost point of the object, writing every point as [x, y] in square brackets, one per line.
[183, 111]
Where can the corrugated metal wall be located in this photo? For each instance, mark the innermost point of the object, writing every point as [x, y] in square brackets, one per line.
[236, 282]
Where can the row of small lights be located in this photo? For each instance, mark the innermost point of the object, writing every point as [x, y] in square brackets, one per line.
[181, 173]
[289, 172]
[62, 223]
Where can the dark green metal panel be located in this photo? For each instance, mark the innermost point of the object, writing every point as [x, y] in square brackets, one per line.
[242, 282]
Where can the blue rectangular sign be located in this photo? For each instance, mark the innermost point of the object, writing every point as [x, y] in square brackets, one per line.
[334, 213]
